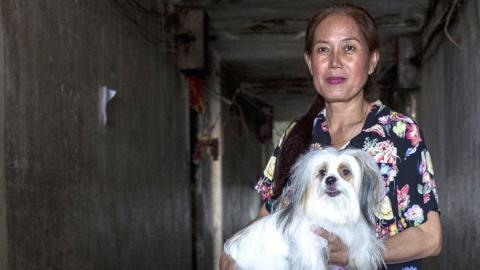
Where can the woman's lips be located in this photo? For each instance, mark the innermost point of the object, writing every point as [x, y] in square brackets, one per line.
[336, 80]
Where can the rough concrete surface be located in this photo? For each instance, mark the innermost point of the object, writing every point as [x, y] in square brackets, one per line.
[448, 110]
[81, 195]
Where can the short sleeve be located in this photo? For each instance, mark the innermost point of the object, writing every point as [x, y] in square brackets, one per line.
[264, 185]
[415, 183]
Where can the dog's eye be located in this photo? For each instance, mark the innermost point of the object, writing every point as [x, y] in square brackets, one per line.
[345, 172]
[322, 172]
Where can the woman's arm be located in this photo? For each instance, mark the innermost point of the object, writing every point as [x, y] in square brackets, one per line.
[414, 243]
[226, 262]
[262, 212]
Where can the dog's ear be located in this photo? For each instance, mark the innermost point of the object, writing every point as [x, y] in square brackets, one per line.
[371, 188]
[300, 173]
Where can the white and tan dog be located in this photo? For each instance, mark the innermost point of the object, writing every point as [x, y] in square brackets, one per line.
[336, 190]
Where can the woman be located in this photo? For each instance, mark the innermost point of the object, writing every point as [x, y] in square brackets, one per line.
[342, 53]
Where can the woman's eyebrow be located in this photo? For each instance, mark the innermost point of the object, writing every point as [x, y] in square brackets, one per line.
[351, 39]
[345, 39]
[320, 41]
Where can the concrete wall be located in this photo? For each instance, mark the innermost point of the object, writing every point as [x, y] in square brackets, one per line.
[81, 195]
[207, 195]
[242, 165]
[3, 181]
[242, 158]
[449, 111]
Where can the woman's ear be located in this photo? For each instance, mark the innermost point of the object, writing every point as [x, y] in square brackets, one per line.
[308, 60]
[374, 57]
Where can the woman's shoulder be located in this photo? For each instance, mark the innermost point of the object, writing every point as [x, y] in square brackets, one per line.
[394, 123]
[394, 129]
[386, 115]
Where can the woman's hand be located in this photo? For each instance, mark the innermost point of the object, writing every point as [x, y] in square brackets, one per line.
[227, 263]
[414, 243]
[338, 254]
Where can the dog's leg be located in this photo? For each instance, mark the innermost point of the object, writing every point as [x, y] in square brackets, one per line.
[308, 251]
[366, 255]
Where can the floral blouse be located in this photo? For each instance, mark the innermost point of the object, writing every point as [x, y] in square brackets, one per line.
[397, 145]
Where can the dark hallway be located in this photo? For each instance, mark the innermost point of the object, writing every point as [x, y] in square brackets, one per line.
[133, 132]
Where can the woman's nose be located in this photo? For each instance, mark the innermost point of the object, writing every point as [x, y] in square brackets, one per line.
[335, 61]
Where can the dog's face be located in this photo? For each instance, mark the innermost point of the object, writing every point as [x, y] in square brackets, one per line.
[337, 185]
[338, 175]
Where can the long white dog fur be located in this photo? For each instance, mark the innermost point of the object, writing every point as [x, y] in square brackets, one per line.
[336, 190]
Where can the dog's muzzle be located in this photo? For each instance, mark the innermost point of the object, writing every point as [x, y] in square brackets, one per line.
[331, 189]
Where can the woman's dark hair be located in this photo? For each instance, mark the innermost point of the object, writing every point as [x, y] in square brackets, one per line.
[298, 140]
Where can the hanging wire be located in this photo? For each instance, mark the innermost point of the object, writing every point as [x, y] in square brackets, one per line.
[142, 9]
[234, 113]
[441, 24]
[447, 23]
[143, 19]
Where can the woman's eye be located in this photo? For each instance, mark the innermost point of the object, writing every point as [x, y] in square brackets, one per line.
[322, 172]
[346, 172]
[322, 49]
[349, 48]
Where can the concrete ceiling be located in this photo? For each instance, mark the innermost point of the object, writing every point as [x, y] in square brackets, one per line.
[263, 41]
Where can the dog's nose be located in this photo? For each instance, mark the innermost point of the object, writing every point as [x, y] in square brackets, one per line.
[330, 180]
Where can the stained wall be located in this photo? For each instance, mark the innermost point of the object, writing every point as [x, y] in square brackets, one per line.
[448, 113]
[79, 194]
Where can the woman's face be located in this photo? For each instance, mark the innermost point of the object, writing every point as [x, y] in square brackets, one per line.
[340, 61]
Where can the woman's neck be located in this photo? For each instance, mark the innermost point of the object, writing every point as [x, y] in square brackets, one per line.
[345, 120]
[344, 114]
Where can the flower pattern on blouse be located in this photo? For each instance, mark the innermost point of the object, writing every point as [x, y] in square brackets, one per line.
[397, 145]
